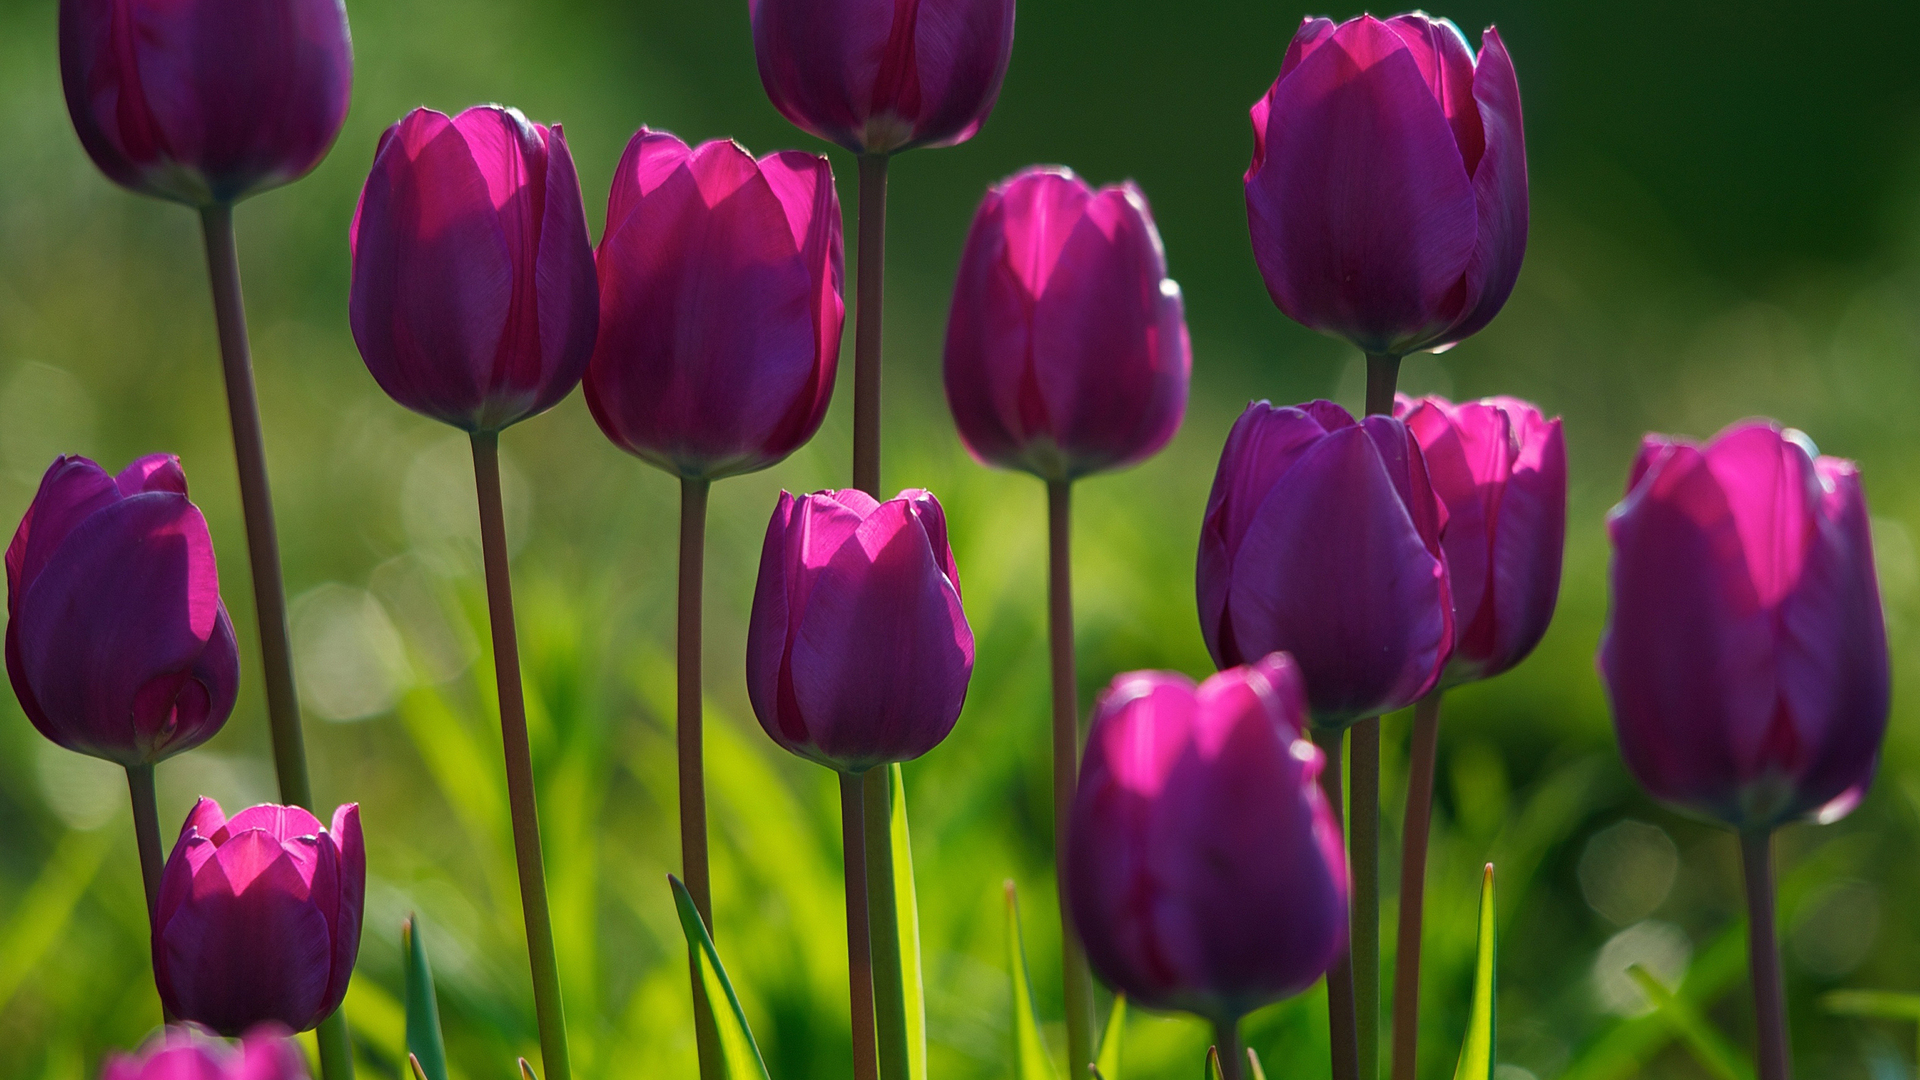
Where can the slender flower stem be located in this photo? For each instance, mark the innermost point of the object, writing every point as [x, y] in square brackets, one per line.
[1763, 957]
[1341, 1021]
[866, 329]
[519, 756]
[853, 844]
[1077, 980]
[1413, 886]
[883, 927]
[693, 786]
[1233, 1056]
[1363, 833]
[1383, 380]
[146, 835]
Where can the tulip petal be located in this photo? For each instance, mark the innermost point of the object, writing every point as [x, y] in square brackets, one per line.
[70, 492]
[958, 60]
[1446, 63]
[819, 62]
[566, 288]
[283, 823]
[351, 905]
[155, 472]
[1529, 543]
[1499, 191]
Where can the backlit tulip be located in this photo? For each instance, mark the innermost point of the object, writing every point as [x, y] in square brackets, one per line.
[858, 653]
[117, 642]
[1500, 467]
[1204, 869]
[1388, 191]
[205, 101]
[474, 299]
[186, 1052]
[878, 76]
[1322, 539]
[1067, 348]
[720, 305]
[259, 916]
[1746, 656]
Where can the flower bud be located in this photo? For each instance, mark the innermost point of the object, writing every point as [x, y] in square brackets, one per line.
[187, 1052]
[858, 653]
[117, 642]
[1067, 348]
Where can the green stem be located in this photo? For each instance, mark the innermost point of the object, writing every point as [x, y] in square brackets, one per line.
[1342, 1036]
[883, 927]
[146, 836]
[687, 734]
[1763, 957]
[1364, 846]
[1077, 980]
[1413, 886]
[866, 330]
[853, 845]
[1233, 1056]
[519, 760]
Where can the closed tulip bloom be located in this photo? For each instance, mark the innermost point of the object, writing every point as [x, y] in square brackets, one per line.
[259, 917]
[858, 653]
[186, 1052]
[473, 299]
[1322, 539]
[1204, 869]
[1746, 656]
[1388, 191]
[720, 305]
[205, 101]
[117, 642]
[1067, 348]
[879, 76]
[1500, 468]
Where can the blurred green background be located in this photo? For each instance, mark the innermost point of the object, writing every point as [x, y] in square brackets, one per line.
[1726, 221]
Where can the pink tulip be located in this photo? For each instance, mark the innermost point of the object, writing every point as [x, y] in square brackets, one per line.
[187, 1052]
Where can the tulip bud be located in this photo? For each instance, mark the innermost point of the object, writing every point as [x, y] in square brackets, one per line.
[880, 76]
[1322, 539]
[474, 299]
[1746, 656]
[720, 306]
[205, 101]
[1067, 348]
[1388, 191]
[117, 643]
[858, 653]
[1500, 468]
[1204, 869]
[259, 917]
[187, 1052]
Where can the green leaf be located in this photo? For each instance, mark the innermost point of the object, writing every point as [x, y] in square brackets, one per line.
[1213, 1064]
[526, 1070]
[425, 1045]
[1873, 1004]
[1477, 1053]
[1029, 1054]
[1108, 1061]
[1708, 1047]
[1253, 1060]
[414, 1069]
[739, 1054]
[907, 919]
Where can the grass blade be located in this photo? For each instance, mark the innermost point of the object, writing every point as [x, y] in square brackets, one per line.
[1029, 1053]
[1213, 1063]
[424, 1042]
[1477, 1058]
[1108, 1061]
[1253, 1061]
[1709, 1049]
[907, 906]
[739, 1054]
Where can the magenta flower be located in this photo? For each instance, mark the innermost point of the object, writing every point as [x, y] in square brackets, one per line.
[1322, 539]
[259, 917]
[858, 652]
[1388, 191]
[205, 101]
[186, 1052]
[1204, 869]
[1067, 348]
[1500, 467]
[117, 643]
[1746, 656]
[720, 306]
[474, 299]
[880, 76]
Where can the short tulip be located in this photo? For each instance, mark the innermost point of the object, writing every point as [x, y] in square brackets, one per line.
[880, 76]
[185, 1052]
[720, 305]
[474, 299]
[1500, 467]
[117, 642]
[1746, 655]
[858, 652]
[259, 917]
[205, 101]
[1388, 191]
[1067, 349]
[1322, 539]
[1204, 868]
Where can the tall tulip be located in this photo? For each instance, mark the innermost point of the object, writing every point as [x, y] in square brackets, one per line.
[475, 302]
[1746, 654]
[186, 1052]
[1204, 869]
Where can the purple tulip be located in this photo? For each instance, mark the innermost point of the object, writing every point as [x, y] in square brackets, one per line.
[474, 299]
[1204, 869]
[1322, 539]
[1388, 191]
[186, 1052]
[880, 76]
[720, 307]
[1500, 468]
[858, 653]
[1746, 656]
[259, 917]
[205, 101]
[117, 643]
[1067, 348]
